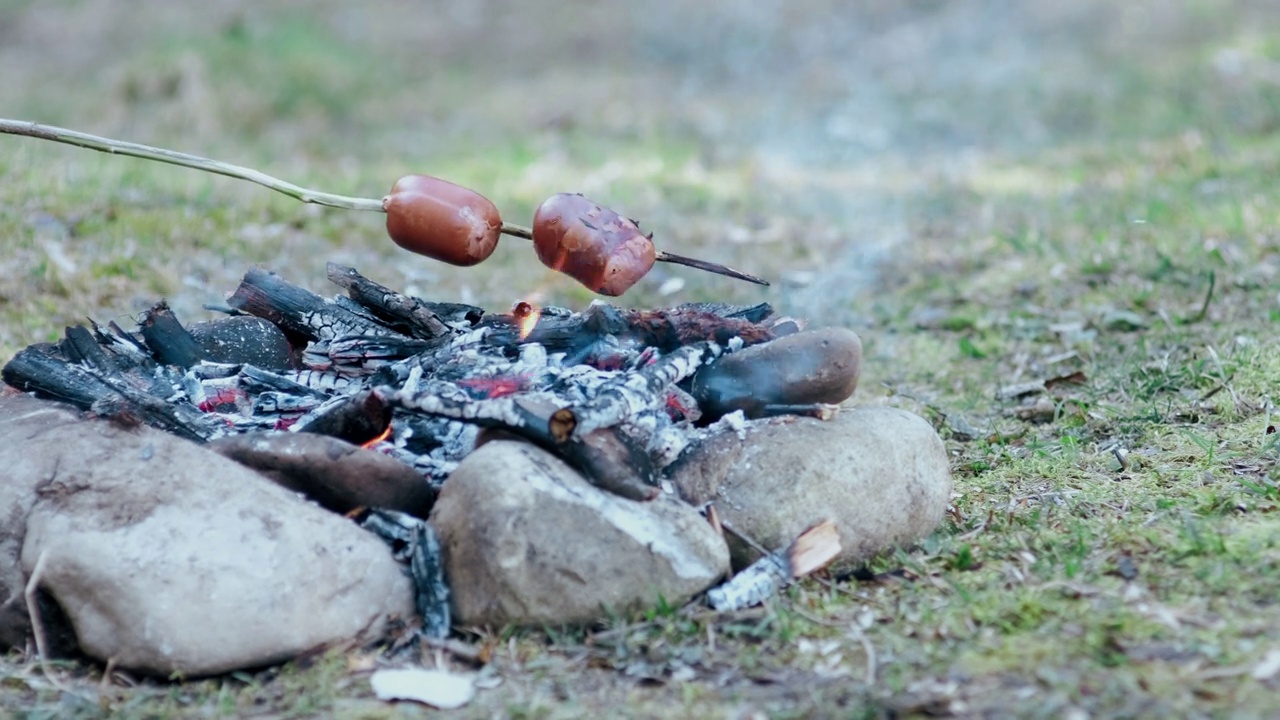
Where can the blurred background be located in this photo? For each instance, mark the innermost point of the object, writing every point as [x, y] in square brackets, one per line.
[834, 147]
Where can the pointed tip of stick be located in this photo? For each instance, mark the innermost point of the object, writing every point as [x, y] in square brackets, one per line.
[710, 267]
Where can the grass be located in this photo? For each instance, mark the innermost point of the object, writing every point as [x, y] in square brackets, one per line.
[1113, 546]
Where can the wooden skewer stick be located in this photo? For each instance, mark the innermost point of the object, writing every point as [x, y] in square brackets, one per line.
[195, 162]
[301, 194]
[709, 267]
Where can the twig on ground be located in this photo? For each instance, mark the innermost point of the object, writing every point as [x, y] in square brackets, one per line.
[105, 683]
[743, 537]
[1122, 457]
[457, 648]
[37, 625]
[869, 650]
[1208, 297]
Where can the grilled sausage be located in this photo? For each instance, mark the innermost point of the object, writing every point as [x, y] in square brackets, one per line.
[447, 222]
[592, 244]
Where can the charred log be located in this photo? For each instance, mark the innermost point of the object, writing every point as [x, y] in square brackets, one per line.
[79, 346]
[634, 392]
[168, 340]
[664, 330]
[42, 370]
[404, 314]
[257, 380]
[356, 418]
[297, 310]
[364, 354]
[414, 541]
[534, 417]
[179, 418]
[130, 399]
[337, 474]
[812, 550]
[611, 461]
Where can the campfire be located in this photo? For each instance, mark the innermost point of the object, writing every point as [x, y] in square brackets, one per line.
[538, 466]
[418, 381]
[424, 383]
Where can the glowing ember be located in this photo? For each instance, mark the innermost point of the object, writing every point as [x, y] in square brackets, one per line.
[381, 436]
[526, 315]
[495, 387]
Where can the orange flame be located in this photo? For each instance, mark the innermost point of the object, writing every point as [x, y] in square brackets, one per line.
[526, 315]
[381, 436]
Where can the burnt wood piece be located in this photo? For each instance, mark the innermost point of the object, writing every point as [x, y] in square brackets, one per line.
[126, 351]
[684, 325]
[752, 313]
[274, 402]
[635, 391]
[180, 418]
[431, 361]
[530, 416]
[79, 346]
[255, 379]
[455, 313]
[356, 418]
[298, 310]
[167, 339]
[612, 461]
[606, 458]
[665, 329]
[41, 370]
[337, 474]
[426, 566]
[405, 314]
[812, 550]
[414, 541]
[353, 353]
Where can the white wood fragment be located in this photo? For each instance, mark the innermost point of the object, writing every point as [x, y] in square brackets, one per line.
[437, 688]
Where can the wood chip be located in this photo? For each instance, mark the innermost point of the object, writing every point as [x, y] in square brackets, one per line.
[436, 688]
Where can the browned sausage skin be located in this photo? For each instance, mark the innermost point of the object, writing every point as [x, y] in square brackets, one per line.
[592, 244]
[443, 221]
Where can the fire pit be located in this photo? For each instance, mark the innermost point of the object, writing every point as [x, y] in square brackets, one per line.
[536, 466]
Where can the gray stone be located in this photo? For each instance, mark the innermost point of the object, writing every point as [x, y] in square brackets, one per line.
[169, 558]
[22, 420]
[816, 366]
[527, 540]
[243, 339]
[881, 474]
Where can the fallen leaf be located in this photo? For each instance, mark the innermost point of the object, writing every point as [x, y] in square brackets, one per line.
[436, 688]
